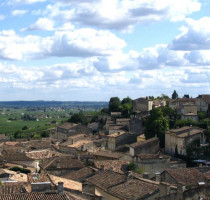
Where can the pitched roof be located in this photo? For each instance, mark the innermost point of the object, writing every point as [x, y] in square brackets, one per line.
[144, 143]
[119, 166]
[15, 156]
[65, 162]
[186, 131]
[67, 125]
[106, 179]
[108, 154]
[67, 184]
[134, 189]
[153, 156]
[11, 188]
[40, 144]
[186, 176]
[42, 154]
[36, 177]
[81, 174]
[34, 196]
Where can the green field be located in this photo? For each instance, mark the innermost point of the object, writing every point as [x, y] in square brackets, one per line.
[11, 120]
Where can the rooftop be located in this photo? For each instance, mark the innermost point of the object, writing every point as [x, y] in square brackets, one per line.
[80, 175]
[106, 179]
[34, 196]
[186, 176]
[186, 131]
[153, 156]
[109, 154]
[67, 125]
[62, 162]
[143, 143]
[133, 189]
[117, 134]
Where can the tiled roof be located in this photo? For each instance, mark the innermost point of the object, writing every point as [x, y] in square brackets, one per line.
[80, 175]
[119, 166]
[34, 196]
[186, 176]
[11, 188]
[14, 156]
[143, 143]
[40, 144]
[134, 189]
[206, 98]
[67, 125]
[186, 131]
[65, 162]
[16, 176]
[67, 184]
[106, 179]
[152, 156]
[109, 154]
[117, 134]
[36, 177]
[42, 154]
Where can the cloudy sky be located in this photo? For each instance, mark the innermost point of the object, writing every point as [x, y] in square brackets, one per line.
[95, 49]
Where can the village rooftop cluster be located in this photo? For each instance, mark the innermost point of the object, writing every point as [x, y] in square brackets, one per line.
[116, 157]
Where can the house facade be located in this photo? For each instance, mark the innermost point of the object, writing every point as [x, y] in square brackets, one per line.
[178, 139]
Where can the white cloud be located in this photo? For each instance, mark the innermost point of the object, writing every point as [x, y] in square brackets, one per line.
[19, 12]
[84, 42]
[122, 14]
[13, 2]
[195, 36]
[41, 24]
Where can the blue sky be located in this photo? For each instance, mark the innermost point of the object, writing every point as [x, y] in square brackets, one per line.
[91, 50]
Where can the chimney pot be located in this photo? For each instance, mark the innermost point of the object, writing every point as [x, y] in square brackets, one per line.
[60, 187]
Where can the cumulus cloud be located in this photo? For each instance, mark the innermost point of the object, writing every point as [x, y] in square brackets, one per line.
[84, 42]
[13, 2]
[122, 14]
[41, 24]
[195, 36]
[19, 12]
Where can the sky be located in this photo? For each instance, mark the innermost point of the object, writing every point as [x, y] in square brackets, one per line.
[91, 50]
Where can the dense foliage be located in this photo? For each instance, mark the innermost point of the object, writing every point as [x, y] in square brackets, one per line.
[156, 125]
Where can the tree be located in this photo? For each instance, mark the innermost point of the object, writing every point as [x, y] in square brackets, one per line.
[24, 128]
[174, 95]
[78, 118]
[126, 106]
[156, 125]
[114, 104]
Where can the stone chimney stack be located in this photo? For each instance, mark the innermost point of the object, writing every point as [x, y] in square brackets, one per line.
[60, 187]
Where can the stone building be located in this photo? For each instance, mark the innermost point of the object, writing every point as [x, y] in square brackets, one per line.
[142, 104]
[179, 139]
[203, 103]
[189, 111]
[152, 163]
[119, 138]
[66, 130]
[148, 146]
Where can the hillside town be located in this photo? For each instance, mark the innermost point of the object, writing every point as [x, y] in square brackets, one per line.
[143, 149]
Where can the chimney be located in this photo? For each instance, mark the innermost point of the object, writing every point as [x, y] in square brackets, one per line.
[118, 132]
[60, 187]
[102, 167]
[129, 176]
[157, 177]
[146, 175]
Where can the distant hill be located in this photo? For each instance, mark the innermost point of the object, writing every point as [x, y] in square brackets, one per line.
[78, 104]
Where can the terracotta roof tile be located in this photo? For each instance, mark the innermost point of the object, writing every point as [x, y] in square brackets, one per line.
[107, 179]
[65, 162]
[119, 166]
[80, 175]
[34, 196]
[134, 189]
[144, 143]
[186, 176]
